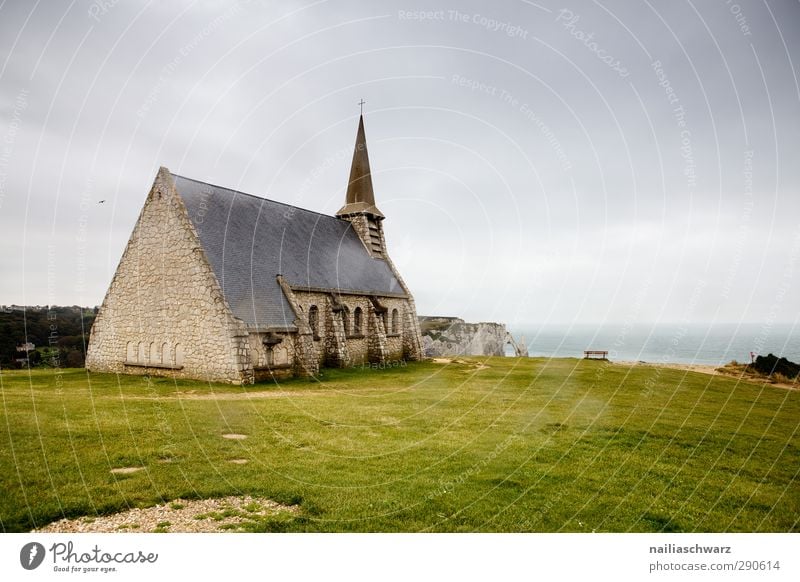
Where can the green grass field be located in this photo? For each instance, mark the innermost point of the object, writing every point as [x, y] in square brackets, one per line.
[518, 445]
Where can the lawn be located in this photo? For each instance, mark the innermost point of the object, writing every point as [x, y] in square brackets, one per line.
[497, 444]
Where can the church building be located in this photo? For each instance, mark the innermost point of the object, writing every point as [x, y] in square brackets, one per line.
[219, 285]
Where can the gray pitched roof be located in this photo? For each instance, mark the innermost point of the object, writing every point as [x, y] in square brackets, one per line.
[250, 240]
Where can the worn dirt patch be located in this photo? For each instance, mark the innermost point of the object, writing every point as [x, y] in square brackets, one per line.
[235, 436]
[239, 461]
[330, 390]
[126, 470]
[179, 516]
[701, 368]
[715, 371]
[470, 364]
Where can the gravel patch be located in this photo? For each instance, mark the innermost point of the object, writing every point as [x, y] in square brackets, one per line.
[178, 516]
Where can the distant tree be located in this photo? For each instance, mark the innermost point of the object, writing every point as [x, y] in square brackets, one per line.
[64, 327]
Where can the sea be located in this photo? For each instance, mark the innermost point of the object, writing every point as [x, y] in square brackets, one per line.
[712, 344]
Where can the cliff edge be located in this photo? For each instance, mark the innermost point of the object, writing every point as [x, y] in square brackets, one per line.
[452, 336]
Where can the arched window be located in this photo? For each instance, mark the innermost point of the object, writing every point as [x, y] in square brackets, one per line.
[153, 355]
[346, 320]
[395, 321]
[313, 320]
[357, 321]
[165, 355]
[130, 352]
[178, 355]
[141, 357]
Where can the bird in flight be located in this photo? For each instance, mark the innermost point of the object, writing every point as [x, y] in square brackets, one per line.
[101, 201]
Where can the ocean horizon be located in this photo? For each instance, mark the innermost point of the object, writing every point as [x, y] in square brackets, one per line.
[697, 343]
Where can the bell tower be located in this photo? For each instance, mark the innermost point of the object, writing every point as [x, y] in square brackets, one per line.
[359, 208]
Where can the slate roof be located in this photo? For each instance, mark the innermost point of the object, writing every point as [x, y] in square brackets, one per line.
[250, 240]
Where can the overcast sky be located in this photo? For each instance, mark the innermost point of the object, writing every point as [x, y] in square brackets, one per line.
[537, 162]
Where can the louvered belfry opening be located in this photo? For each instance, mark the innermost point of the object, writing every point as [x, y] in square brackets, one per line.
[374, 238]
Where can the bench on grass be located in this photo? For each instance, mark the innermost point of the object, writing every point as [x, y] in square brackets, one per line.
[595, 354]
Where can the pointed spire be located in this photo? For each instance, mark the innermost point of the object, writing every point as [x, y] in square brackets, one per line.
[360, 197]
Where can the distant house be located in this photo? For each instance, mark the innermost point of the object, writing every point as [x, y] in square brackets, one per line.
[26, 347]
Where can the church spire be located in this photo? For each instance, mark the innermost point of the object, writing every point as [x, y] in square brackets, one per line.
[360, 197]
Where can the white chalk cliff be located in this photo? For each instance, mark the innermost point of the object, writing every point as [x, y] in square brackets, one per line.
[451, 336]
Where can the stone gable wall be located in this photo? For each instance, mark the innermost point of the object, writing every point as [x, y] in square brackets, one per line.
[164, 310]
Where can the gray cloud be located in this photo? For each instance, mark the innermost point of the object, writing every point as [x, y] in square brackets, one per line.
[536, 162]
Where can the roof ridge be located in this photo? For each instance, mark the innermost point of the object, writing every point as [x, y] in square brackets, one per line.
[258, 197]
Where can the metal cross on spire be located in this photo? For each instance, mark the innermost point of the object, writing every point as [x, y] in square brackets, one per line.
[361, 105]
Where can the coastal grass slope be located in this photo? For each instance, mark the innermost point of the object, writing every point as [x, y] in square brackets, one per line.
[476, 444]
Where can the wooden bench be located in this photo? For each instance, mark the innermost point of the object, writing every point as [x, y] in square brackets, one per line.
[595, 354]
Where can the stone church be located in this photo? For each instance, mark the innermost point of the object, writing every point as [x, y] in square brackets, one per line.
[219, 285]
